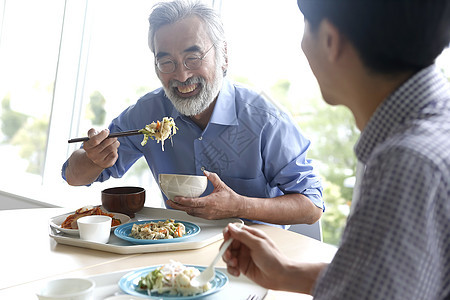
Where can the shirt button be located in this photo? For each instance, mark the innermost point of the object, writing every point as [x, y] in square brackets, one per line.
[200, 138]
[202, 169]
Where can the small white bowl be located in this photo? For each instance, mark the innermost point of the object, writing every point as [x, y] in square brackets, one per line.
[182, 185]
[95, 228]
[68, 288]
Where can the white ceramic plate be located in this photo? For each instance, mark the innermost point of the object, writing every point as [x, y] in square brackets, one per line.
[56, 222]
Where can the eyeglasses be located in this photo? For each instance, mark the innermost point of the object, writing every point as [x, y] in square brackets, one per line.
[191, 62]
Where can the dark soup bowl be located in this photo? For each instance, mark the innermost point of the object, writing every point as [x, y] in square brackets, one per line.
[125, 199]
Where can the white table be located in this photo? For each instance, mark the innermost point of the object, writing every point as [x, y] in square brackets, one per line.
[29, 257]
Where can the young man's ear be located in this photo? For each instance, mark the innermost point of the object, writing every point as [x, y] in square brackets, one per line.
[332, 40]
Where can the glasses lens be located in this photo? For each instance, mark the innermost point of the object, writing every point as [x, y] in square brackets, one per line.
[192, 62]
[166, 66]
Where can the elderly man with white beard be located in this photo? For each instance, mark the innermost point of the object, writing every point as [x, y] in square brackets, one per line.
[252, 153]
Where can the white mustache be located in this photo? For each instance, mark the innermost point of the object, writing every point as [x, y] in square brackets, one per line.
[175, 83]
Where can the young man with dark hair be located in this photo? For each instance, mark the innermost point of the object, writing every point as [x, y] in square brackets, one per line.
[376, 57]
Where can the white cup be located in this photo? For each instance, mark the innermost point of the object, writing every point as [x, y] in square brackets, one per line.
[68, 288]
[95, 228]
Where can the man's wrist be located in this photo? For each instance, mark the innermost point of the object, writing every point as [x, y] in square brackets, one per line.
[245, 207]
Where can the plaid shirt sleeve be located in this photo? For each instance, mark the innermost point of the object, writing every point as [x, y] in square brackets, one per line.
[397, 242]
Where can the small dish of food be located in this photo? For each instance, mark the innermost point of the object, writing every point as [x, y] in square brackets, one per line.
[67, 223]
[170, 281]
[157, 231]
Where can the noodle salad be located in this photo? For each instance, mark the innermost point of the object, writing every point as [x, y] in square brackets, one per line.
[159, 131]
[173, 278]
[167, 229]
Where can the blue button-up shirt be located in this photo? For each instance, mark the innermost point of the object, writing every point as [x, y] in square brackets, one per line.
[255, 148]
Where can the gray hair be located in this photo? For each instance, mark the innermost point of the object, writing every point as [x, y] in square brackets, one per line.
[165, 13]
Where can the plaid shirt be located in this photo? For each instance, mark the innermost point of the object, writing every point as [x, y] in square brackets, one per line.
[396, 244]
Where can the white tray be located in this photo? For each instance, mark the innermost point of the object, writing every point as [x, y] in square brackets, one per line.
[238, 288]
[210, 232]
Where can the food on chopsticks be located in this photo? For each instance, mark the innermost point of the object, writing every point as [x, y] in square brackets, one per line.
[159, 131]
[71, 221]
[173, 278]
[168, 229]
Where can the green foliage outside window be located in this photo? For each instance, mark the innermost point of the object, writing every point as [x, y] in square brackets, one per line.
[334, 135]
[11, 120]
[27, 133]
[96, 108]
[32, 140]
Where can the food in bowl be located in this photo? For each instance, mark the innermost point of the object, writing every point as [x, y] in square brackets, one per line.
[168, 229]
[173, 278]
[71, 221]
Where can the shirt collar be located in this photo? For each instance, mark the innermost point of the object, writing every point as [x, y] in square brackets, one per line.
[224, 112]
[404, 103]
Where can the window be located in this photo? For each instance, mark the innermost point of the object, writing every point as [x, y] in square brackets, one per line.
[118, 70]
[29, 42]
[72, 66]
